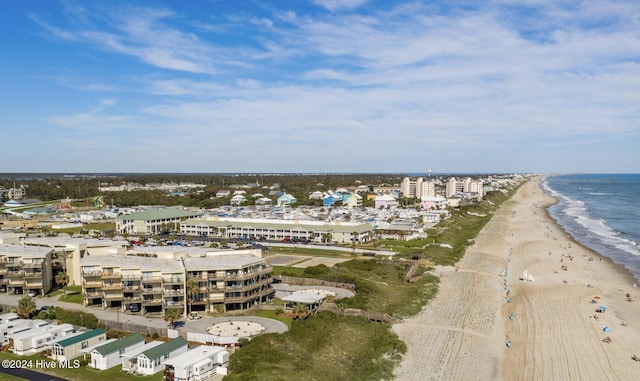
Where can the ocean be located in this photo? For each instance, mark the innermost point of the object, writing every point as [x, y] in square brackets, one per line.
[601, 212]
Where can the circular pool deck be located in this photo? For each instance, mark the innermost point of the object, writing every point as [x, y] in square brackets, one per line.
[236, 329]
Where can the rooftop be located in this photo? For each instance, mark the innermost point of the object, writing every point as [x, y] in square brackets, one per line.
[84, 336]
[119, 344]
[165, 348]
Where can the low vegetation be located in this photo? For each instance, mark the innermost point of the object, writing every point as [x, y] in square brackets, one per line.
[327, 347]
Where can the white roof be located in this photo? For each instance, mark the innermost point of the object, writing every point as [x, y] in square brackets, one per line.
[24, 251]
[305, 298]
[194, 355]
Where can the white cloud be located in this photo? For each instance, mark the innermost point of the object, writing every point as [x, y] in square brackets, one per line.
[335, 5]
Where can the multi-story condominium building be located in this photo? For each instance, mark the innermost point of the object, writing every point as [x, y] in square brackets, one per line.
[67, 252]
[25, 269]
[176, 277]
[467, 185]
[153, 221]
[272, 229]
[417, 188]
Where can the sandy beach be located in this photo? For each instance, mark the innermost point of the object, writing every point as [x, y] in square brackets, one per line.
[550, 322]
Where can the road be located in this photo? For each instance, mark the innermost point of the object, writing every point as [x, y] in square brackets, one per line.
[198, 326]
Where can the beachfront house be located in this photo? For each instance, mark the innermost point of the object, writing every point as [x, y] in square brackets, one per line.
[152, 360]
[72, 347]
[199, 363]
[108, 355]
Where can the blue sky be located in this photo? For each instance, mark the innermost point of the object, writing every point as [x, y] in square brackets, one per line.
[320, 86]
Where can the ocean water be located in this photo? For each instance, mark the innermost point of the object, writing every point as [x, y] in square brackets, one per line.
[601, 212]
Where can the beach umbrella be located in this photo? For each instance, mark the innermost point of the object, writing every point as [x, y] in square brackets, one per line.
[603, 308]
[606, 329]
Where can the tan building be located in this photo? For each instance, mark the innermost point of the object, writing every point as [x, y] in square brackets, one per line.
[25, 269]
[152, 280]
[67, 252]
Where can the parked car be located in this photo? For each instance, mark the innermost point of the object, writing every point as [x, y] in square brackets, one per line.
[195, 316]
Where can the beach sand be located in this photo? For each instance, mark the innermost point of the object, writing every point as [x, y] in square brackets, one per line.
[462, 334]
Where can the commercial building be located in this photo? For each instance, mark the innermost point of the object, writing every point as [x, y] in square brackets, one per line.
[272, 229]
[153, 221]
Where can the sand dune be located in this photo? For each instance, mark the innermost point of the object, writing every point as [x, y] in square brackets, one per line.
[462, 333]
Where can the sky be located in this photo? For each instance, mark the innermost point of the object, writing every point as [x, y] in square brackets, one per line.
[373, 86]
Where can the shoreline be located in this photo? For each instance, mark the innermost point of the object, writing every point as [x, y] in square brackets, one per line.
[549, 324]
[623, 270]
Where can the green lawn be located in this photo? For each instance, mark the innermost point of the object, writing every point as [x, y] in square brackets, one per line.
[73, 294]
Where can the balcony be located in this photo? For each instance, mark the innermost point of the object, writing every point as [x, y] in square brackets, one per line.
[151, 280]
[93, 295]
[149, 302]
[112, 296]
[199, 277]
[34, 283]
[132, 299]
[150, 291]
[173, 281]
[131, 278]
[14, 274]
[109, 275]
[32, 265]
[91, 274]
[33, 275]
[92, 283]
[112, 286]
[173, 292]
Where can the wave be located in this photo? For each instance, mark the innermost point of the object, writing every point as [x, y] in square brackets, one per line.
[574, 216]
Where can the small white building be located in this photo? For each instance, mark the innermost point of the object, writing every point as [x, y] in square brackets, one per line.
[38, 338]
[108, 355]
[70, 348]
[129, 359]
[198, 363]
[152, 361]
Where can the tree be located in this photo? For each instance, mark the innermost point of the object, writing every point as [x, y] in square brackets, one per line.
[62, 279]
[26, 307]
[192, 290]
[300, 311]
[172, 315]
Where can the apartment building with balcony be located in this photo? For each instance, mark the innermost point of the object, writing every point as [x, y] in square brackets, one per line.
[153, 282]
[25, 269]
[68, 251]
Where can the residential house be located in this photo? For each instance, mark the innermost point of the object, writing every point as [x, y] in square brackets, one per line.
[71, 348]
[129, 359]
[152, 360]
[197, 364]
[108, 355]
[286, 199]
